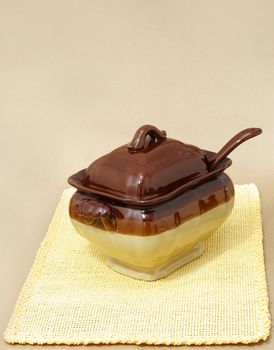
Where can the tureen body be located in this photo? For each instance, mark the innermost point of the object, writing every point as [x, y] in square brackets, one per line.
[150, 204]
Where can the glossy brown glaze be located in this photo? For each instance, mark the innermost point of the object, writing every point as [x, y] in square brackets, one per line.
[145, 221]
[241, 137]
[151, 169]
[153, 184]
[139, 141]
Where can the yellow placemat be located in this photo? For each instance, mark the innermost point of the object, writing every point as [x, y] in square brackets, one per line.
[72, 297]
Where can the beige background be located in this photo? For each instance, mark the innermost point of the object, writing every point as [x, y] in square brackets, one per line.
[78, 77]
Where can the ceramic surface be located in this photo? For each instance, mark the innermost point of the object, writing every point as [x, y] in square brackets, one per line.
[149, 204]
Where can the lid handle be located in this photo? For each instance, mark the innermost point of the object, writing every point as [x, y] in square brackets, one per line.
[139, 140]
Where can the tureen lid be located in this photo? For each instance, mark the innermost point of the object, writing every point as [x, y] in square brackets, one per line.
[150, 169]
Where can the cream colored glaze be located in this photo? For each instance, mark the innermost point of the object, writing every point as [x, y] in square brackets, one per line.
[150, 252]
[160, 271]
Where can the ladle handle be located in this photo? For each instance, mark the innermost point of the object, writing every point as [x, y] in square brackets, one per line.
[241, 137]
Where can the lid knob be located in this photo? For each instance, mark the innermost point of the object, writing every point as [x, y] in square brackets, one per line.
[139, 140]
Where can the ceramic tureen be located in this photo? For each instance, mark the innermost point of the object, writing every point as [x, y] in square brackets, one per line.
[149, 204]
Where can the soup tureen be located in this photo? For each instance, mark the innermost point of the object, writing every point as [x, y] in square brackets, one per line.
[149, 204]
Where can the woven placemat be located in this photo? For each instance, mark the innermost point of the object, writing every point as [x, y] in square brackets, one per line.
[71, 296]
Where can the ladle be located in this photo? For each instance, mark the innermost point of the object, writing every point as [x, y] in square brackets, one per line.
[239, 138]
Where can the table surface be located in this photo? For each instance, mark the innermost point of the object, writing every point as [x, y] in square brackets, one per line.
[78, 78]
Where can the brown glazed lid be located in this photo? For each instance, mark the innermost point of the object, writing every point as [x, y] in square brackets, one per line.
[153, 168]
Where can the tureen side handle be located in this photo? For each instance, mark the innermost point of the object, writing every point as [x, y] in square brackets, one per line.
[139, 140]
[92, 209]
[239, 138]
